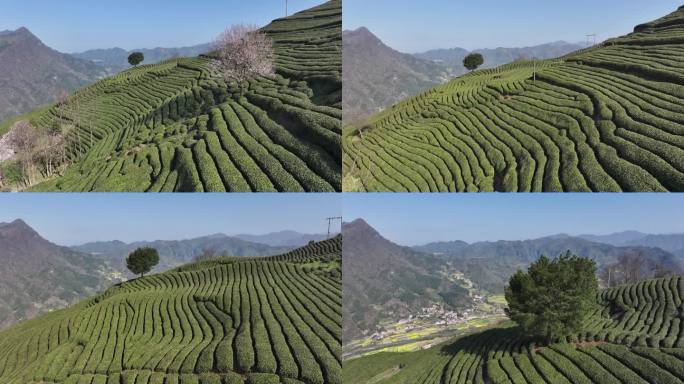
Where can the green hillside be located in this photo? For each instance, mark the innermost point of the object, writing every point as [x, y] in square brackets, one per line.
[608, 118]
[636, 335]
[175, 126]
[232, 320]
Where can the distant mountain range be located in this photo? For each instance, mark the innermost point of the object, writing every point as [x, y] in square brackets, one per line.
[377, 76]
[284, 238]
[453, 58]
[32, 74]
[384, 281]
[673, 243]
[116, 59]
[173, 253]
[37, 276]
[490, 264]
[618, 238]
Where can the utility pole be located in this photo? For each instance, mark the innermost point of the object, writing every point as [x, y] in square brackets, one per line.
[592, 36]
[609, 275]
[286, 8]
[534, 70]
[330, 221]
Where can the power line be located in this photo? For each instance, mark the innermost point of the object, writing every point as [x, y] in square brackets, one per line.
[330, 221]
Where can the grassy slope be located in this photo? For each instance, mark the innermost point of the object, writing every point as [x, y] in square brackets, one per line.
[174, 126]
[633, 335]
[603, 119]
[7, 124]
[254, 320]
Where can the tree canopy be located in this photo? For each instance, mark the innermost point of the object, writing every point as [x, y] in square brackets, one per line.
[136, 58]
[142, 260]
[555, 296]
[472, 61]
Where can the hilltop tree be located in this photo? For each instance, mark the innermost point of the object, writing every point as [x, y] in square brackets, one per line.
[555, 296]
[242, 53]
[473, 61]
[136, 58]
[142, 260]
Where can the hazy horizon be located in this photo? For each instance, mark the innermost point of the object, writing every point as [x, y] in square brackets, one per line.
[410, 27]
[426, 218]
[140, 217]
[80, 25]
[471, 49]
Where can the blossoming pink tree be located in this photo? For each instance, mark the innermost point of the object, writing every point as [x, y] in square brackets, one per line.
[243, 52]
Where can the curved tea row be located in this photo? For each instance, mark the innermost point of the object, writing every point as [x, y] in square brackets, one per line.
[609, 118]
[176, 126]
[234, 320]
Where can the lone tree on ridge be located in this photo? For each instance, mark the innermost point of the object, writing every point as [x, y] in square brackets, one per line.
[142, 260]
[136, 58]
[555, 297]
[472, 61]
[242, 53]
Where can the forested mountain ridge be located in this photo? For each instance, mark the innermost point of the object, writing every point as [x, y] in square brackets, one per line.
[385, 281]
[173, 253]
[116, 59]
[283, 238]
[376, 76]
[38, 276]
[670, 242]
[32, 74]
[493, 57]
[490, 264]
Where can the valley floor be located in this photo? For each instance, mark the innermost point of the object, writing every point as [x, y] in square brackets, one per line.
[432, 326]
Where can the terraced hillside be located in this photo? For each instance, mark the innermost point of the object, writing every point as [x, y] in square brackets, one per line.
[608, 118]
[232, 320]
[175, 126]
[636, 335]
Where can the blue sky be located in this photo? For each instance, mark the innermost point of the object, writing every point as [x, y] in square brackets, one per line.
[413, 219]
[77, 25]
[416, 26]
[70, 219]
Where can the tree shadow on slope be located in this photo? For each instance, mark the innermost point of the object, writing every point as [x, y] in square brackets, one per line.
[492, 342]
